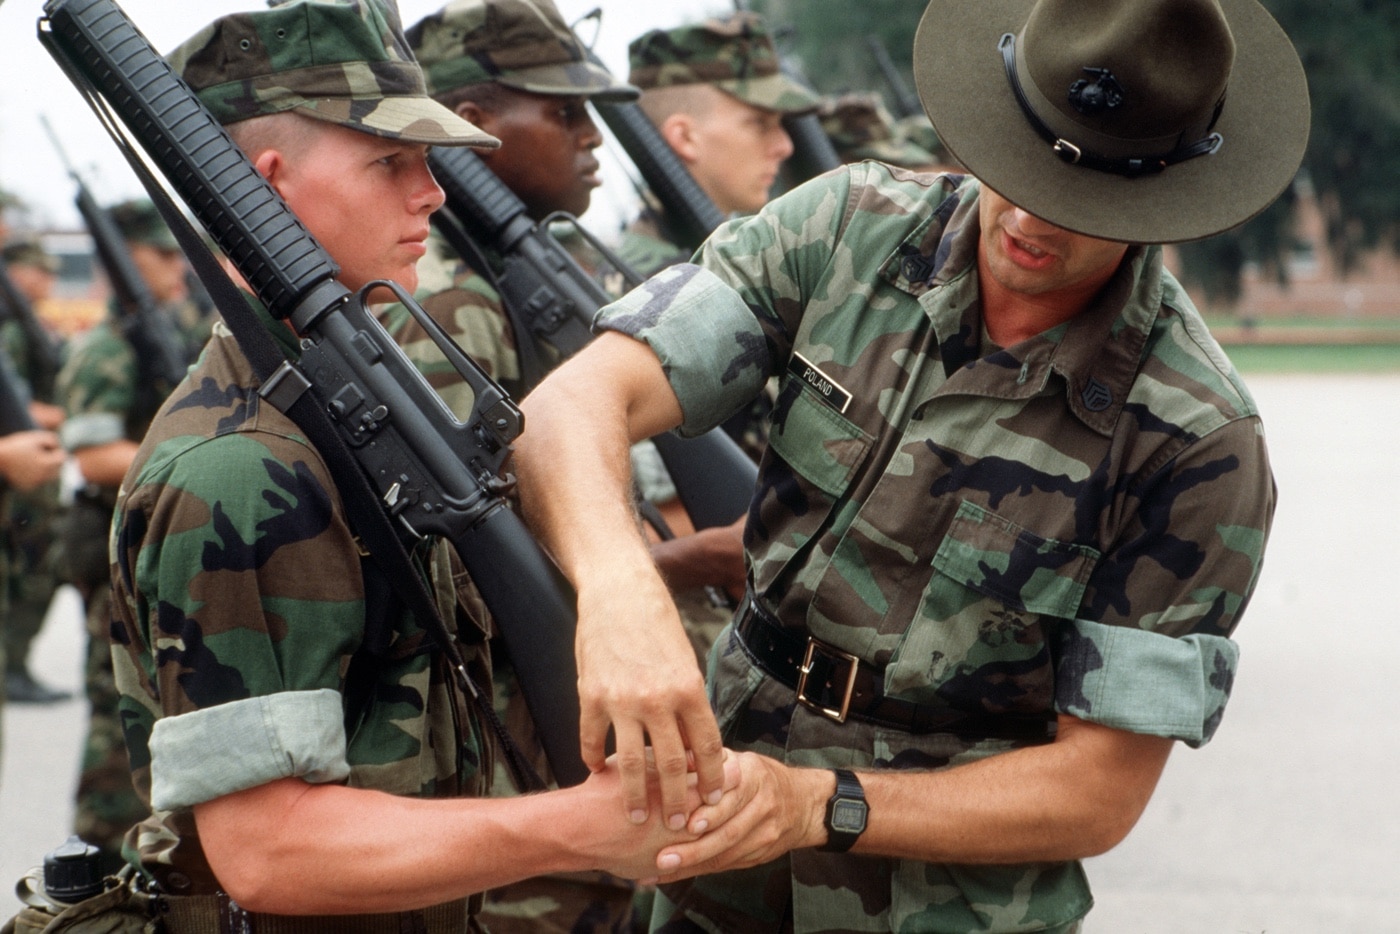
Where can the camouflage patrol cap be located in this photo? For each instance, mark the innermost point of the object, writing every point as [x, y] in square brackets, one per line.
[860, 127]
[29, 253]
[343, 62]
[734, 54]
[917, 130]
[522, 44]
[140, 222]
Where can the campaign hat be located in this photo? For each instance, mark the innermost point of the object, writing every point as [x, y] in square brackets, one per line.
[1149, 121]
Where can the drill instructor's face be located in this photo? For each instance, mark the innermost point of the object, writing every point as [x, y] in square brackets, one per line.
[1031, 257]
[365, 198]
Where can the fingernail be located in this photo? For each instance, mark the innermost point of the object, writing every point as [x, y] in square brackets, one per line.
[702, 825]
[639, 816]
[676, 822]
[669, 861]
[714, 796]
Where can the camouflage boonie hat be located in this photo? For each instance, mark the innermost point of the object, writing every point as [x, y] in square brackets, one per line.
[860, 127]
[30, 253]
[522, 44]
[340, 62]
[140, 222]
[734, 54]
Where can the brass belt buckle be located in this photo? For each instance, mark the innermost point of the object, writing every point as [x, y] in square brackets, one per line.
[814, 646]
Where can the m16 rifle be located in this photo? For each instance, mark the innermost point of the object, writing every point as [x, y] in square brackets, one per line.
[42, 360]
[551, 298]
[160, 354]
[905, 101]
[410, 463]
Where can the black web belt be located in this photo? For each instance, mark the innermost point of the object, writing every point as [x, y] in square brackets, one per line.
[841, 686]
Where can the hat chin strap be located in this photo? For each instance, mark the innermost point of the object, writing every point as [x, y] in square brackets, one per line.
[1130, 167]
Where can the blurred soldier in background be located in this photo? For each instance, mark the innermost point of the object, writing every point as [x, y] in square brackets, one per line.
[860, 127]
[109, 406]
[31, 518]
[715, 92]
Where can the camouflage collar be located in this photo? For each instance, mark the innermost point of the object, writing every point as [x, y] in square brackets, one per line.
[1101, 351]
[1098, 353]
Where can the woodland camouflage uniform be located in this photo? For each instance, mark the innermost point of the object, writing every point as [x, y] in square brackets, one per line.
[219, 624]
[1070, 525]
[245, 612]
[106, 397]
[527, 46]
[30, 518]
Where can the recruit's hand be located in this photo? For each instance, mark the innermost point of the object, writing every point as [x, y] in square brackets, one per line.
[711, 557]
[46, 415]
[29, 459]
[774, 809]
[637, 673]
[628, 849]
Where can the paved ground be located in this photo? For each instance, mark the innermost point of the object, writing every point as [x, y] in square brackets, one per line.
[1285, 824]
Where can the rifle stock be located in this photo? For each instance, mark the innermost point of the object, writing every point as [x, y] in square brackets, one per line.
[557, 299]
[434, 474]
[41, 352]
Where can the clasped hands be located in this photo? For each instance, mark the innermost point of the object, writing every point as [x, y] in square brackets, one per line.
[701, 808]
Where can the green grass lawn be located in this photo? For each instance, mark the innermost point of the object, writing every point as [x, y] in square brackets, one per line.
[1377, 351]
[1315, 358]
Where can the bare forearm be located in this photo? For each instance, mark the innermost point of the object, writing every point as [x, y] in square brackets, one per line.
[293, 848]
[1065, 800]
[1076, 797]
[636, 669]
[572, 460]
[106, 464]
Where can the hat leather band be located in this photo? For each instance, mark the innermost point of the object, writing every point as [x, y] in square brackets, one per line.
[1128, 166]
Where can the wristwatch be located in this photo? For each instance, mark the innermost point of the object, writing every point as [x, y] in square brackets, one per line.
[846, 813]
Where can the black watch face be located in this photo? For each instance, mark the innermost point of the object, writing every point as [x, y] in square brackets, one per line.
[848, 815]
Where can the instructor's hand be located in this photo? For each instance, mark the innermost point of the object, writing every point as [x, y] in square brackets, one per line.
[637, 673]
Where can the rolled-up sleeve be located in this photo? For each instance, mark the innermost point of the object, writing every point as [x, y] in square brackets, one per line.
[708, 341]
[297, 734]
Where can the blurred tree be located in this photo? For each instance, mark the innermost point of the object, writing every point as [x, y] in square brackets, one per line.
[1350, 50]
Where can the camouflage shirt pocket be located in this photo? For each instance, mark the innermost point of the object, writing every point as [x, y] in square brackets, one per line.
[814, 454]
[997, 558]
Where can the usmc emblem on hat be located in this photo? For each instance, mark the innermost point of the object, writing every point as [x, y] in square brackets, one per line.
[1092, 97]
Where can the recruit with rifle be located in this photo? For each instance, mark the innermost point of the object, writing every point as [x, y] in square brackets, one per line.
[160, 355]
[42, 358]
[401, 460]
[550, 298]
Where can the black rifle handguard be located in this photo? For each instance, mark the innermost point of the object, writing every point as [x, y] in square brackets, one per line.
[546, 287]
[434, 474]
